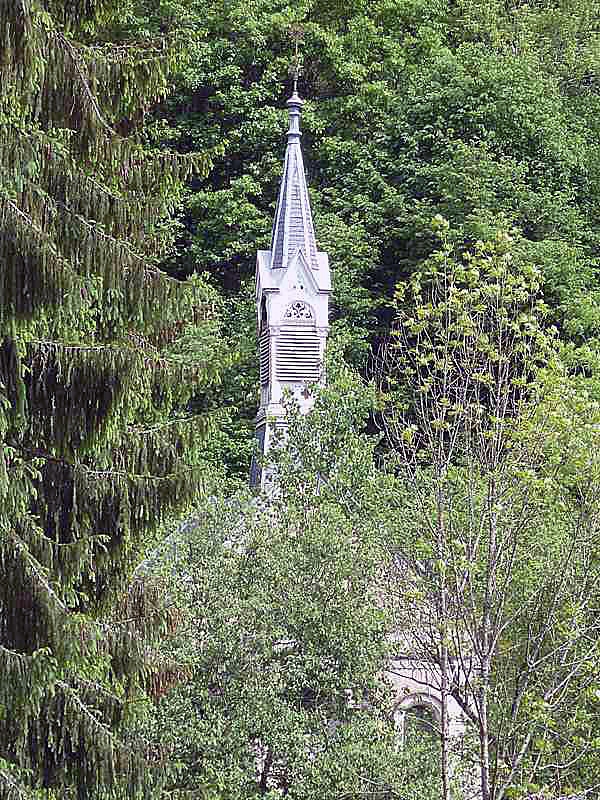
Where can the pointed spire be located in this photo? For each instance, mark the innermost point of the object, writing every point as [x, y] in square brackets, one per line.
[293, 229]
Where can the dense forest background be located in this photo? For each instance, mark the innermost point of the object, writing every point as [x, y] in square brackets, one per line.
[162, 633]
[486, 113]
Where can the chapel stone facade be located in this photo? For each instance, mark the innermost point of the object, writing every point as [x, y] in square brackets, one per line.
[293, 287]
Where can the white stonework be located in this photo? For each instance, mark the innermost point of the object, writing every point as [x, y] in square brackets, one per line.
[415, 684]
[293, 285]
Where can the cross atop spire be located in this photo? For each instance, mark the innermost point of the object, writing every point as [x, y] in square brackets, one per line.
[293, 229]
[297, 35]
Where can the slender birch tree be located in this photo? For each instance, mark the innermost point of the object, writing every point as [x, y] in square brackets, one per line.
[497, 552]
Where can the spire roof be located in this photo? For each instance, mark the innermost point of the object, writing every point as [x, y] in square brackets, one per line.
[293, 228]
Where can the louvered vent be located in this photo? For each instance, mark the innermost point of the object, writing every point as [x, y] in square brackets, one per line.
[298, 355]
[265, 357]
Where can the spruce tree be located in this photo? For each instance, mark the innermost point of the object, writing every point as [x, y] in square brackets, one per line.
[100, 353]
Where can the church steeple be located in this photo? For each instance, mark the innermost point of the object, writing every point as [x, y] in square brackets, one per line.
[293, 229]
[292, 299]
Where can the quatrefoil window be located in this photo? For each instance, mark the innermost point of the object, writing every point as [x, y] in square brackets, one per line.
[299, 311]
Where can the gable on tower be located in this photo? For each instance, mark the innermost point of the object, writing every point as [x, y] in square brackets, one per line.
[297, 273]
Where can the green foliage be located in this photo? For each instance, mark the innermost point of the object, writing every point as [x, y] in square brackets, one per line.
[111, 367]
[482, 113]
[496, 452]
[101, 358]
[282, 634]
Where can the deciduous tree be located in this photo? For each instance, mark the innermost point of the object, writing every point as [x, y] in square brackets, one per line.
[284, 636]
[499, 479]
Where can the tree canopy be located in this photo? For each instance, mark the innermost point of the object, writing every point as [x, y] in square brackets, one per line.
[482, 112]
[140, 154]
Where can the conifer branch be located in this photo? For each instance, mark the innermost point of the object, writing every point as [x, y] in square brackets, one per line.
[99, 727]
[16, 791]
[37, 572]
[62, 41]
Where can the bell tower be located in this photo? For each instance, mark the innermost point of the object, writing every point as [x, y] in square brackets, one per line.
[293, 285]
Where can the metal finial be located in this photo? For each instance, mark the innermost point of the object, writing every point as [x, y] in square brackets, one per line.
[295, 103]
[296, 66]
[297, 34]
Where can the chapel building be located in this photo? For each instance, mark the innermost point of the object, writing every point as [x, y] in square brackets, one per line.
[293, 288]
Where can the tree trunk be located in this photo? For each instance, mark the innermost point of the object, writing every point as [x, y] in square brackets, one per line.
[444, 722]
[484, 740]
[443, 633]
[486, 637]
[264, 773]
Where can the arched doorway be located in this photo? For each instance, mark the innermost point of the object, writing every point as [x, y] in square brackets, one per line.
[420, 713]
[417, 718]
[420, 721]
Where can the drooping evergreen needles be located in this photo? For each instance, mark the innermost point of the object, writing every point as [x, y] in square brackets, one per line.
[97, 442]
